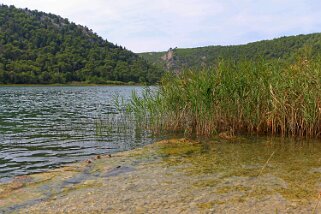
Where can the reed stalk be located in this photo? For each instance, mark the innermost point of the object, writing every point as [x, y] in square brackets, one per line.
[263, 97]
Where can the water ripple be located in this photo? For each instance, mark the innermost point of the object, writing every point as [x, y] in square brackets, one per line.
[44, 127]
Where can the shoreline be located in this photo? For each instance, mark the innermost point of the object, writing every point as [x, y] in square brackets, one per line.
[71, 84]
[168, 176]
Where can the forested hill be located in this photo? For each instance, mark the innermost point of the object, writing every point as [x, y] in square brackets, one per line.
[284, 48]
[36, 47]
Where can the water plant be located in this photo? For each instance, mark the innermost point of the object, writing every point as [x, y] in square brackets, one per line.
[265, 97]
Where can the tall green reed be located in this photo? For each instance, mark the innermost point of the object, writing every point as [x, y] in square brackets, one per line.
[265, 97]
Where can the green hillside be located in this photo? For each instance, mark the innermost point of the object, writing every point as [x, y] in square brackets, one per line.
[36, 47]
[284, 48]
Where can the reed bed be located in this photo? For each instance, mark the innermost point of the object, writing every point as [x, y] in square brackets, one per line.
[263, 97]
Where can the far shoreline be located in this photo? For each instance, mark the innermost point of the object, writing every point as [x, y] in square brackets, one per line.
[81, 84]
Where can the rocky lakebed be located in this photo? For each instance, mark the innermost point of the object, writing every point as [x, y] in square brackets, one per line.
[178, 176]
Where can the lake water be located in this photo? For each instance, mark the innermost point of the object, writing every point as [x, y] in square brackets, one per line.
[44, 127]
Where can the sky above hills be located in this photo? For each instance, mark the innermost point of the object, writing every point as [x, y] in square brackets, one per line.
[150, 25]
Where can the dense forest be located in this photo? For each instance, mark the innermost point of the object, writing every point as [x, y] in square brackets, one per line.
[36, 47]
[284, 48]
[41, 48]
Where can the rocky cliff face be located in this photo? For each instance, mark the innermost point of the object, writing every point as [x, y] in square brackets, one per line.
[169, 58]
[169, 55]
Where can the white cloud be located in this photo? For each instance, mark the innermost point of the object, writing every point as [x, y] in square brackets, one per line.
[146, 25]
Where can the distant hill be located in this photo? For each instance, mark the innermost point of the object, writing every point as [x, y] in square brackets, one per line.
[37, 47]
[284, 48]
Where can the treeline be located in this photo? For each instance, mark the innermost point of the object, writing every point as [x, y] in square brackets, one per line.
[284, 48]
[36, 47]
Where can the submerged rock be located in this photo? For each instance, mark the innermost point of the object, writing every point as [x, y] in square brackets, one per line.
[118, 170]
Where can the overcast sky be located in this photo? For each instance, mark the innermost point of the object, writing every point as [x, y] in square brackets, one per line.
[154, 25]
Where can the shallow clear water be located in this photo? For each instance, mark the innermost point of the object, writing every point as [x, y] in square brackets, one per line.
[44, 127]
[243, 175]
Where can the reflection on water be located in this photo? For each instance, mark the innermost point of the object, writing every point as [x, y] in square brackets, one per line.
[43, 127]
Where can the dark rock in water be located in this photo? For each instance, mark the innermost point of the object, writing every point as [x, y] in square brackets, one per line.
[119, 170]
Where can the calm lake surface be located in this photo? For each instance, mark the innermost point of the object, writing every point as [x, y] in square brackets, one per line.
[44, 127]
